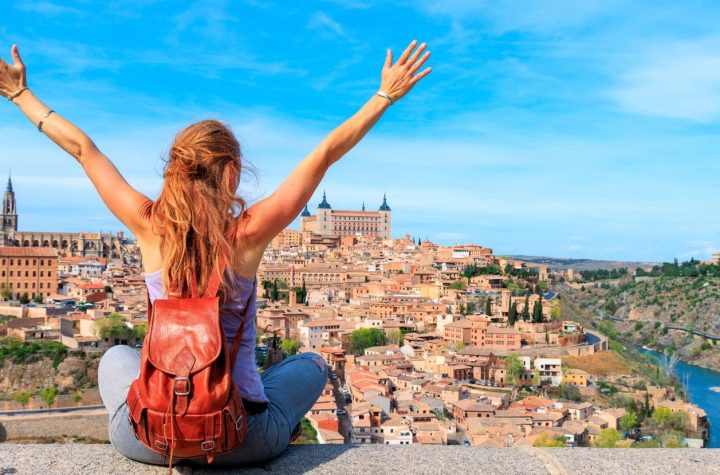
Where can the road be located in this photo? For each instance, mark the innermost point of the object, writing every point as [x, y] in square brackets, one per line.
[26, 412]
[344, 425]
[672, 326]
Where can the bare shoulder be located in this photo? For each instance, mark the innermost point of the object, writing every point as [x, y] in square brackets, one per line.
[248, 253]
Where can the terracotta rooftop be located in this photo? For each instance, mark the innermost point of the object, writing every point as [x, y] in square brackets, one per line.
[27, 252]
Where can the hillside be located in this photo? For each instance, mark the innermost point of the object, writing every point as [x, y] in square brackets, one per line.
[644, 310]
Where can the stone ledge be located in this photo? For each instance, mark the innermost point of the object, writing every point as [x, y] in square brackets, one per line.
[378, 459]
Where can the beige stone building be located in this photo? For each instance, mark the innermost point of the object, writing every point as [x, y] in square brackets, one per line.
[31, 271]
[75, 244]
[332, 222]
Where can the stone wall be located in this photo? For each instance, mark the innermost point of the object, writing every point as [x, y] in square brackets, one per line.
[90, 426]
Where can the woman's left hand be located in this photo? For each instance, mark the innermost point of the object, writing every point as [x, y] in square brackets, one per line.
[12, 77]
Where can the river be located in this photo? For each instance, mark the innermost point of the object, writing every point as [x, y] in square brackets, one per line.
[699, 381]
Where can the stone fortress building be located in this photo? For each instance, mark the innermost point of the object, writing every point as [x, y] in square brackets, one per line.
[109, 246]
[333, 222]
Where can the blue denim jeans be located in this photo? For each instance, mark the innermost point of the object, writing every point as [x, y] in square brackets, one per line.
[292, 387]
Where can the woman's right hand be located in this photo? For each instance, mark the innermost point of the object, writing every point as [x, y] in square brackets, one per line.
[12, 77]
[399, 78]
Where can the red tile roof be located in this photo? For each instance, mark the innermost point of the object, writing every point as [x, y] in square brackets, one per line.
[27, 252]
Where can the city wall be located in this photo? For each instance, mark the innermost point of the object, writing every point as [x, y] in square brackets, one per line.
[91, 426]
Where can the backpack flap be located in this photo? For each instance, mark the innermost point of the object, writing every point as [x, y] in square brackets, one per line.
[185, 335]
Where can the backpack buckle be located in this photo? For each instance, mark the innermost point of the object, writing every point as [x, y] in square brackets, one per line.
[208, 445]
[159, 444]
[181, 389]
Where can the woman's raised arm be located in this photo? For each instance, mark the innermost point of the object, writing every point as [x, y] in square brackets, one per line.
[266, 218]
[123, 201]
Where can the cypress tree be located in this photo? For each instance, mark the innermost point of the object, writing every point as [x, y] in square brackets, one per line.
[512, 314]
[526, 309]
[537, 312]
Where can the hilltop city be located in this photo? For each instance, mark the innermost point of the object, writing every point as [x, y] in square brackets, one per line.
[427, 343]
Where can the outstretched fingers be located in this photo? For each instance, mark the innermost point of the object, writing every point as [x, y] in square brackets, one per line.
[418, 64]
[416, 54]
[403, 58]
[16, 57]
[388, 59]
[415, 79]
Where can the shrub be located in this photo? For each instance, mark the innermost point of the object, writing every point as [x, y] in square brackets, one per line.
[547, 440]
[608, 438]
[48, 396]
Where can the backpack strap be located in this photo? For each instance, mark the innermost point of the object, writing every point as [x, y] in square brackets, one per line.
[238, 336]
[220, 265]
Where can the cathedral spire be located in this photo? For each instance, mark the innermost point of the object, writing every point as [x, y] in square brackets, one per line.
[363, 208]
[324, 204]
[384, 206]
[9, 188]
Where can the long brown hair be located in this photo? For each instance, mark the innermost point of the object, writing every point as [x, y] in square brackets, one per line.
[197, 207]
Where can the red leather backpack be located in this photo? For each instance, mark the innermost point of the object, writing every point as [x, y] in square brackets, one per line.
[184, 403]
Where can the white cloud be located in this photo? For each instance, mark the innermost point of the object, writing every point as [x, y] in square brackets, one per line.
[679, 81]
[326, 26]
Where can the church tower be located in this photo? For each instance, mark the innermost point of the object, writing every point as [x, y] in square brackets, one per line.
[385, 219]
[324, 218]
[9, 218]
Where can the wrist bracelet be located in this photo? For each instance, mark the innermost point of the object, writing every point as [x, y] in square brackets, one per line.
[386, 96]
[47, 114]
[17, 93]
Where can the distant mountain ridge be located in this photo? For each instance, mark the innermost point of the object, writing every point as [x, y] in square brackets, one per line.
[581, 264]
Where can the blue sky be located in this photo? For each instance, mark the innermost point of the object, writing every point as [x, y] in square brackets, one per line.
[583, 129]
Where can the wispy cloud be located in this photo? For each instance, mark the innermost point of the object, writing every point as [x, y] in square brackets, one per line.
[49, 9]
[679, 80]
[326, 26]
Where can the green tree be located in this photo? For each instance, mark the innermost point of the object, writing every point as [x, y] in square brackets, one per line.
[38, 298]
[512, 314]
[555, 312]
[289, 346]
[460, 345]
[107, 289]
[48, 395]
[24, 299]
[6, 294]
[274, 291]
[513, 368]
[458, 285]
[22, 397]
[537, 316]
[569, 392]
[663, 417]
[394, 337]
[139, 331]
[365, 338]
[608, 438]
[488, 306]
[672, 442]
[525, 315]
[266, 285]
[547, 440]
[629, 421]
[113, 326]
